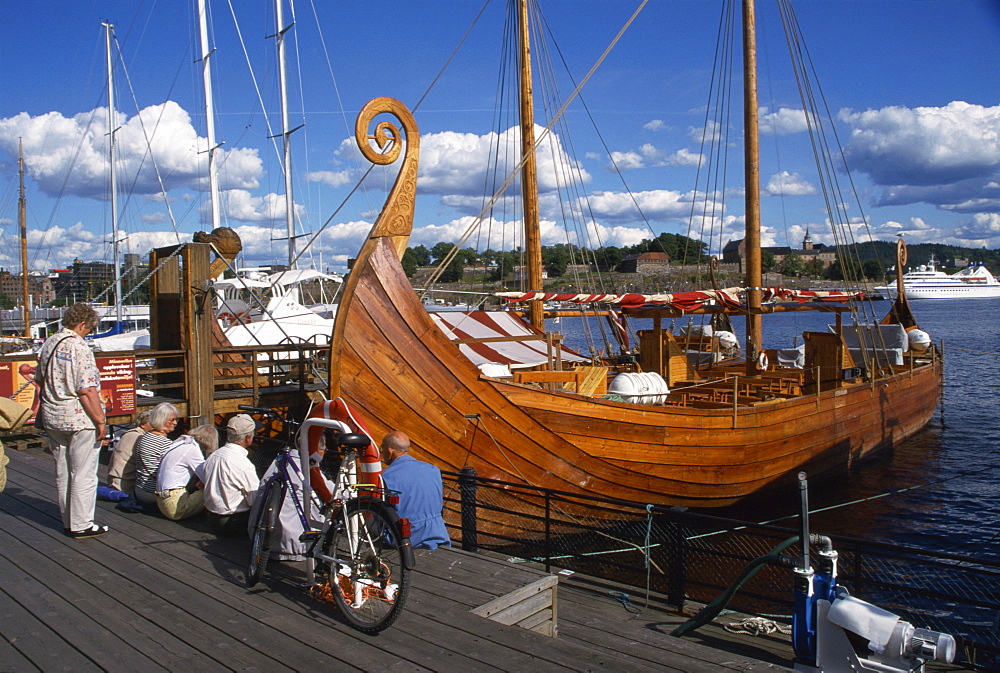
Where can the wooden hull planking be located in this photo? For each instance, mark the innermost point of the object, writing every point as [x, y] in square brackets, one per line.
[401, 372]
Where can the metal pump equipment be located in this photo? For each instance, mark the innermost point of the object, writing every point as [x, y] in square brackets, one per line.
[825, 614]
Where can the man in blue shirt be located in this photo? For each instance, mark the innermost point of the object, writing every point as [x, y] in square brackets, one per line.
[420, 499]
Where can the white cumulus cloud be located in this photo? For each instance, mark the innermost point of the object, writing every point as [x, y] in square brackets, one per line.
[69, 155]
[782, 122]
[788, 184]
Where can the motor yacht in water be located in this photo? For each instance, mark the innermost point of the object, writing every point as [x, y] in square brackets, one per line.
[926, 282]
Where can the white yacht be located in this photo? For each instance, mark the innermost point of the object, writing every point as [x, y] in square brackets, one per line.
[926, 282]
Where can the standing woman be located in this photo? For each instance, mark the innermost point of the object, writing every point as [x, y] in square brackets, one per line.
[74, 418]
[150, 449]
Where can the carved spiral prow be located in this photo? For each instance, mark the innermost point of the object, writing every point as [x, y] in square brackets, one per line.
[900, 312]
[383, 147]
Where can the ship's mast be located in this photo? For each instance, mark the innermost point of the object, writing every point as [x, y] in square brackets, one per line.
[108, 30]
[22, 219]
[286, 132]
[529, 174]
[206, 79]
[754, 277]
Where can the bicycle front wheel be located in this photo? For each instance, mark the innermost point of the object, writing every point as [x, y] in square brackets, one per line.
[263, 534]
[368, 578]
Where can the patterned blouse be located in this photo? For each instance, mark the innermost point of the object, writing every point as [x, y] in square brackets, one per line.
[72, 368]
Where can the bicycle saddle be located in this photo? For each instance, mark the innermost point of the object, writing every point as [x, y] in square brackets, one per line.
[351, 441]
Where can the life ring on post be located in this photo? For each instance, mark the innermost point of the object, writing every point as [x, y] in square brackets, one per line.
[762, 361]
[369, 461]
[228, 319]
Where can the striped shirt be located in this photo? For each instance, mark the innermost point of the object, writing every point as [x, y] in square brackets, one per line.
[148, 452]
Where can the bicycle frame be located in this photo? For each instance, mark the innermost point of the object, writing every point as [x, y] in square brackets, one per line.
[351, 478]
[284, 461]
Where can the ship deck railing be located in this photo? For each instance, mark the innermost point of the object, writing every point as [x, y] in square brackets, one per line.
[281, 374]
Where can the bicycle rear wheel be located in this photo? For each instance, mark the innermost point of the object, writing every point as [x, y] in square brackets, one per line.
[263, 534]
[368, 578]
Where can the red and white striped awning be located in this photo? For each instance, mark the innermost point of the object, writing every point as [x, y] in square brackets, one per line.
[731, 297]
[683, 300]
[488, 324]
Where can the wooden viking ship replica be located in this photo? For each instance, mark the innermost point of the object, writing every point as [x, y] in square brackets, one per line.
[710, 436]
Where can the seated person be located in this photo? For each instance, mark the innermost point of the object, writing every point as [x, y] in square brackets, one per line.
[150, 448]
[121, 470]
[231, 480]
[420, 492]
[180, 482]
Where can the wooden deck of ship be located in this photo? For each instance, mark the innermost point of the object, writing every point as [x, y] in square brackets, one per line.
[160, 595]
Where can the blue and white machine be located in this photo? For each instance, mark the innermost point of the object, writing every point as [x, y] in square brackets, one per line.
[825, 614]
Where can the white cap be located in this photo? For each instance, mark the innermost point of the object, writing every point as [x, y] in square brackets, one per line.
[241, 424]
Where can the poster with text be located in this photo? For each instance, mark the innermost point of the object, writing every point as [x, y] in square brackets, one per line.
[117, 384]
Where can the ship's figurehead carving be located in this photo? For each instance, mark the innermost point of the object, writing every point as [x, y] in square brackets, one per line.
[382, 146]
[226, 242]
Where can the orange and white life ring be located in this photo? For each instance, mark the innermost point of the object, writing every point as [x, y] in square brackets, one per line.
[762, 361]
[228, 318]
[369, 462]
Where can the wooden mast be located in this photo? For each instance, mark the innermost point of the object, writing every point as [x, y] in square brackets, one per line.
[754, 278]
[529, 174]
[22, 220]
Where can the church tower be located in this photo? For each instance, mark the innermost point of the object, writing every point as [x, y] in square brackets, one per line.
[807, 242]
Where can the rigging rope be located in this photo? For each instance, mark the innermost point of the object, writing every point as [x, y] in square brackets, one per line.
[538, 141]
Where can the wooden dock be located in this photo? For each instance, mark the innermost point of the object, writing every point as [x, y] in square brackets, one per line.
[160, 595]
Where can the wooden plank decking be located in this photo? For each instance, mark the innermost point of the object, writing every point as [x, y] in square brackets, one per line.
[159, 595]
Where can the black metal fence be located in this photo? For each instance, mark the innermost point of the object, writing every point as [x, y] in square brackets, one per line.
[686, 556]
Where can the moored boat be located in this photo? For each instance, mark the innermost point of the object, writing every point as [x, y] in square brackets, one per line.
[926, 282]
[718, 430]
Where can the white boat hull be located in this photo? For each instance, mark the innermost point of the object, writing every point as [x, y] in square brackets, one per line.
[943, 291]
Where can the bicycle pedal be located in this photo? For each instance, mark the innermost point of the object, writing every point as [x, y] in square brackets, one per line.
[309, 536]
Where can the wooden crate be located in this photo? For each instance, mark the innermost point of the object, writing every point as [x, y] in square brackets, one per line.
[534, 607]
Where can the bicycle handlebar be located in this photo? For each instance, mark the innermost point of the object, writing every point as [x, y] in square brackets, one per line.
[258, 410]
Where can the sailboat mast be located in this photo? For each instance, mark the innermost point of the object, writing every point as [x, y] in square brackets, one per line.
[206, 79]
[754, 276]
[22, 219]
[108, 30]
[529, 173]
[285, 131]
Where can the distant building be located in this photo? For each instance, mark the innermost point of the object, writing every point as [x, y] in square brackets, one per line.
[39, 288]
[734, 252]
[646, 261]
[521, 273]
[83, 281]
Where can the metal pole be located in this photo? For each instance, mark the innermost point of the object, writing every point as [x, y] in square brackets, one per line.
[108, 31]
[206, 78]
[467, 488]
[285, 131]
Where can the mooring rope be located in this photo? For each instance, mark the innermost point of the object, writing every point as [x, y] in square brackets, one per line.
[632, 545]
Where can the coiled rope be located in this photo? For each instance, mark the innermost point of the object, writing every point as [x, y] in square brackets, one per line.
[757, 626]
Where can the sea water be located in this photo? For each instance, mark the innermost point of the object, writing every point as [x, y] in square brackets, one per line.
[940, 490]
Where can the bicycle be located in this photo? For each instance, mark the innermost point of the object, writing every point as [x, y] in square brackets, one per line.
[362, 550]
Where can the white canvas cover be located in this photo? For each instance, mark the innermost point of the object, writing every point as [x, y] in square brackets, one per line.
[485, 324]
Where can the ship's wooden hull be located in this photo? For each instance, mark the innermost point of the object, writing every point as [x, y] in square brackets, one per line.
[398, 369]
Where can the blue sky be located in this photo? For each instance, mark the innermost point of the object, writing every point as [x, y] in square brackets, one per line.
[913, 84]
